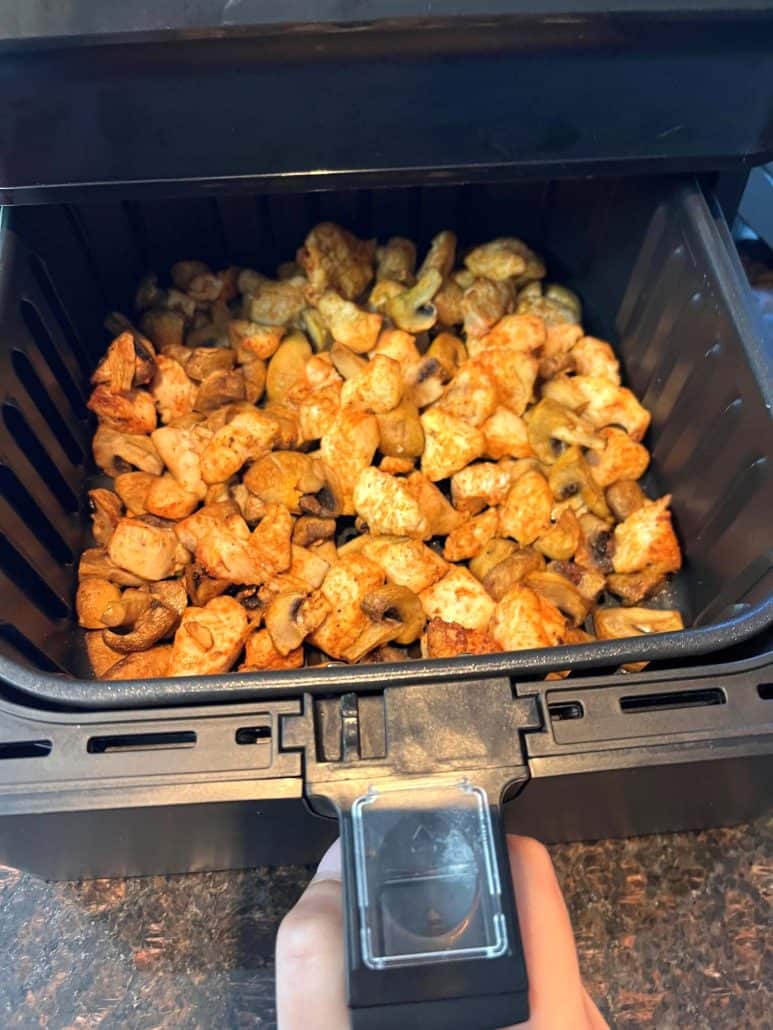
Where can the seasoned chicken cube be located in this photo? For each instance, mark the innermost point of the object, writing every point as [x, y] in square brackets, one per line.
[621, 458]
[224, 553]
[483, 305]
[525, 513]
[172, 390]
[377, 388]
[472, 537]
[348, 447]
[195, 527]
[251, 341]
[449, 444]
[106, 510]
[400, 347]
[317, 411]
[209, 639]
[348, 324]
[506, 435]
[594, 357]
[247, 436]
[334, 259]
[601, 402]
[405, 562]
[276, 303]
[167, 499]
[146, 547]
[523, 334]
[555, 355]
[344, 587]
[180, 448]
[396, 260]
[131, 412]
[442, 517]
[458, 597]
[471, 395]
[261, 655]
[485, 484]
[271, 540]
[505, 257]
[386, 504]
[647, 538]
[448, 639]
[514, 374]
[524, 620]
[129, 363]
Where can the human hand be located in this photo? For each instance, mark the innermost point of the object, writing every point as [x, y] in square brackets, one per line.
[310, 949]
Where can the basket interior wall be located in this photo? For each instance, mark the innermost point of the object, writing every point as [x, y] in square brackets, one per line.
[642, 280]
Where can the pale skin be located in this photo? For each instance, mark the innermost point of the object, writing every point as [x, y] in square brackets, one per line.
[310, 950]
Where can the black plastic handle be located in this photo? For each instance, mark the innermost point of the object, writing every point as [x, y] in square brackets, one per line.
[431, 926]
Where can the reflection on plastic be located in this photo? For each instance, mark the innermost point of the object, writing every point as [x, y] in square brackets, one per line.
[428, 887]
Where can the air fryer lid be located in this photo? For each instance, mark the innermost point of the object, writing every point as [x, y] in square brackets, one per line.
[204, 94]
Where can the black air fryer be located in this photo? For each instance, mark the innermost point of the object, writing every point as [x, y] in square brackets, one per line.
[603, 136]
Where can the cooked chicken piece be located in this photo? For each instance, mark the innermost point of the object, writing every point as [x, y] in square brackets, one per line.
[395, 466]
[524, 620]
[131, 412]
[334, 259]
[406, 563]
[209, 639]
[286, 418]
[616, 623]
[251, 340]
[276, 303]
[378, 388]
[471, 395]
[400, 347]
[589, 582]
[505, 257]
[396, 260]
[458, 597]
[448, 304]
[386, 504]
[288, 369]
[224, 552]
[479, 486]
[348, 324]
[271, 540]
[250, 506]
[318, 411]
[167, 499]
[165, 328]
[506, 436]
[246, 436]
[555, 305]
[197, 526]
[218, 389]
[556, 354]
[308, 567]
[622, 458]
[142, 665]
[440, 515]
[449, 444]
[284, 477]
[181, 447]
[146, 547]
[449, 639]
[594, 357]
[513, 373]
[93, 596]
[484, 303]
[647, 538]
[101, 657]
[261, 655]
[348, 447]
[525, 513]
[470, 538]
[318, 372]
[440, 256]
[94, 561]
[346, 584]
[206, 360]
[129, 363]
[634, 587]
[601, 402]
[172, 390]
[522, 334]
[254, 373]
[106, 510]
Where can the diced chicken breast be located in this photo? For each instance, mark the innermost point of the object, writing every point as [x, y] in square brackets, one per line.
[348, 447]
[514, 374]
[593, 357]
[471, 395]
[406, 563]
[622, 458]
[261, 655]
[209, 639]
[387, 505]
[458, 597]
[479, 486]
[378, 388]
[647, 538]
[344, 587]
[172, 390]
[449, 444]
[524, 619]
[506, 435]
[525, 513]
[448, 639]
[471, 537]
[248, 435]
[144, 548]
[602, 403]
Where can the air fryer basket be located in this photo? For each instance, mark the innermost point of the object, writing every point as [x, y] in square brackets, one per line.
[653, 263]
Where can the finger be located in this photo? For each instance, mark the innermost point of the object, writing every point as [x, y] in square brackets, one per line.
[556, 993]
[310, 955]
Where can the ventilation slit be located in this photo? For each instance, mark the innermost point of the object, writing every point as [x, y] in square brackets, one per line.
[42, 338]
[37, 456]
[28, 377]
[46, 287]
[14, 491]
[26, 650]
[20, 572]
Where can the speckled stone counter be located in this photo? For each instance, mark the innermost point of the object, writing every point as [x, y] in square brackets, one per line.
[672, 932]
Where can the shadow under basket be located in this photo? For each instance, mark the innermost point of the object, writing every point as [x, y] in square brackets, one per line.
[655, 267]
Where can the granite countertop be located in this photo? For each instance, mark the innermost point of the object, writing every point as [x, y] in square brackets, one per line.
[672, 931]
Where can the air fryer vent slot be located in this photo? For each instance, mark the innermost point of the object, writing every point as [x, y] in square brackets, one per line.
[25, 749]
[560, 711]
[765, 690]
[252, 734]
[35, 452]
[20, 572]
[670, 700]
[45, 344]
[29, 379]
[141, 742]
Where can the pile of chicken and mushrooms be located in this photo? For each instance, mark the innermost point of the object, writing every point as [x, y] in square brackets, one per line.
[361, 460]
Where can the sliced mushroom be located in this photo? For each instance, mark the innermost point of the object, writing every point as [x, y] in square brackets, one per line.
[290, 618]
[184, 272]
[449, 351]
[346, 362]
[286, 367]
[493, 553]
[149, 293]
[561, 593]
[156, 622]
[284, 477]
[218, 389]
[412, 309]
[503, 576]
[94, 595]
[328, 501]
[383, 293]
[440, 256]
[200, 587]
[316, 330]
[252, 507]
[142, 665]
[589, 582]
[552, 428]
[106, 510]
[597, 545]
[426, 381]
[95, 562]
[633, 587]
[116, 452]
[624, 498]
[400, 431]
[570, 476]
[562, 539]
[132, 488]
[131, 411]
[396, 615]
[396, 260]
[125, 612]
[615, 623]
[308, 529]
[165, 328]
